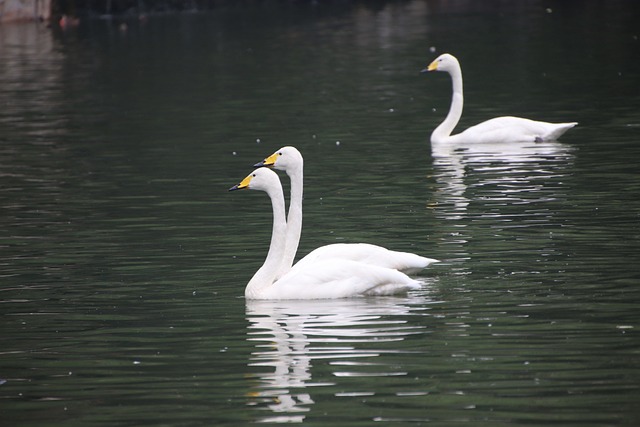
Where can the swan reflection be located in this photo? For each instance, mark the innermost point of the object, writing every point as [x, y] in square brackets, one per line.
[292, 336]
[501, 190]
[516, 168]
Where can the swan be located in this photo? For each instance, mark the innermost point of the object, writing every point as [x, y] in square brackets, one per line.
[331, 278]
[499, 129]
[290, 160]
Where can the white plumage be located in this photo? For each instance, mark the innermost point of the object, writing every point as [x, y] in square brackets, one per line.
[330, 278]
[290, 160]
[499, 129]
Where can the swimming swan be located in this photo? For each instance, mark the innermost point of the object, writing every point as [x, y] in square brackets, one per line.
[290, 160]
[499, 129]
[334, 278]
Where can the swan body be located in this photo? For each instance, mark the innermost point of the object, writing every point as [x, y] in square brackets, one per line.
[499, 129]
[367, 254]
[336, 278]
[330, 278]
[290, 160]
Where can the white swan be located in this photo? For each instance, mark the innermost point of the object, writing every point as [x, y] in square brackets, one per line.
[290, 160]
[499, 129]
[334, 278]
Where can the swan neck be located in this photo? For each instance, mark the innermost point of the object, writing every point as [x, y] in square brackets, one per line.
[266, 275]
[444, 130]
[294, 217]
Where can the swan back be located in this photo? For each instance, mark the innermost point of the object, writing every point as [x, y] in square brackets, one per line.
[512, 129]
[368, 254]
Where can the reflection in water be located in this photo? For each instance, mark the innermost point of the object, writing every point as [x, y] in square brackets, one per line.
[31, 76]
[522, 164]
[291, 335]
[507, 185]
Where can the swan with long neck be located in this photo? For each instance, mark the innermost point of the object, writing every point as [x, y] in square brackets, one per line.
[270, 184]
[290, 160]
[332, 278]
[499, 129]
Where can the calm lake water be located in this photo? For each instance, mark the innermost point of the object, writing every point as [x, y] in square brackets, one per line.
[123, 258]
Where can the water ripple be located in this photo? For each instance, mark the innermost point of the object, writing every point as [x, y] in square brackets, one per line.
[291, 337]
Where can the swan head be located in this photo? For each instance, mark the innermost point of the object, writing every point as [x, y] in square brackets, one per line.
[260, 179]
[285, 159]
[445, 62]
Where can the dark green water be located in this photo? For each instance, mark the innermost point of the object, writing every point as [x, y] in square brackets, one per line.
[123, 258]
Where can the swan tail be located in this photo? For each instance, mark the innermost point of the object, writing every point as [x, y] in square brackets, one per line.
[558, 131]
[407, 262]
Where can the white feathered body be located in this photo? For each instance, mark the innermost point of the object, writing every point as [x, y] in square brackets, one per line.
[336, 278]
[368, 254]
[326, 279]
[499, 129]
[510, 129]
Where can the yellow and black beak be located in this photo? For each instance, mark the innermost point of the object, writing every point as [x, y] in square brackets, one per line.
[269, 162]
[243, 184]
[432, 67]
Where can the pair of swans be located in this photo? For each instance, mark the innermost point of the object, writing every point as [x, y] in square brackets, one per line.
[333, 271]
[496, 130]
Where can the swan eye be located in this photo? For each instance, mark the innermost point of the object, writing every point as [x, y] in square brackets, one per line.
[280, 154]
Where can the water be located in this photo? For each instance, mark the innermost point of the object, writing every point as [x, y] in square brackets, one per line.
[123, 258]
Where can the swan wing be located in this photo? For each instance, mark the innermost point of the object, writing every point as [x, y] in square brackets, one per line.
[335, 278]
[512, 129]
[367, 254]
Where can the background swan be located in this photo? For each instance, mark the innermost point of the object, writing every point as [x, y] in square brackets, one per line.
[290, 160]
[499, 129]
[334, 278]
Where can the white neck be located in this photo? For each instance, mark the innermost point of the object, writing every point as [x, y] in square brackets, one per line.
[266, 275]
[443, 132]
[294, 218]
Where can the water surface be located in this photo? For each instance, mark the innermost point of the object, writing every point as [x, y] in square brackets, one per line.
[123, 259]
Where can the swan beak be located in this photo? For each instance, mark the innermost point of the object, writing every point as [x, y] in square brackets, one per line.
[243, 184]
[432, 67]
[268, 162]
